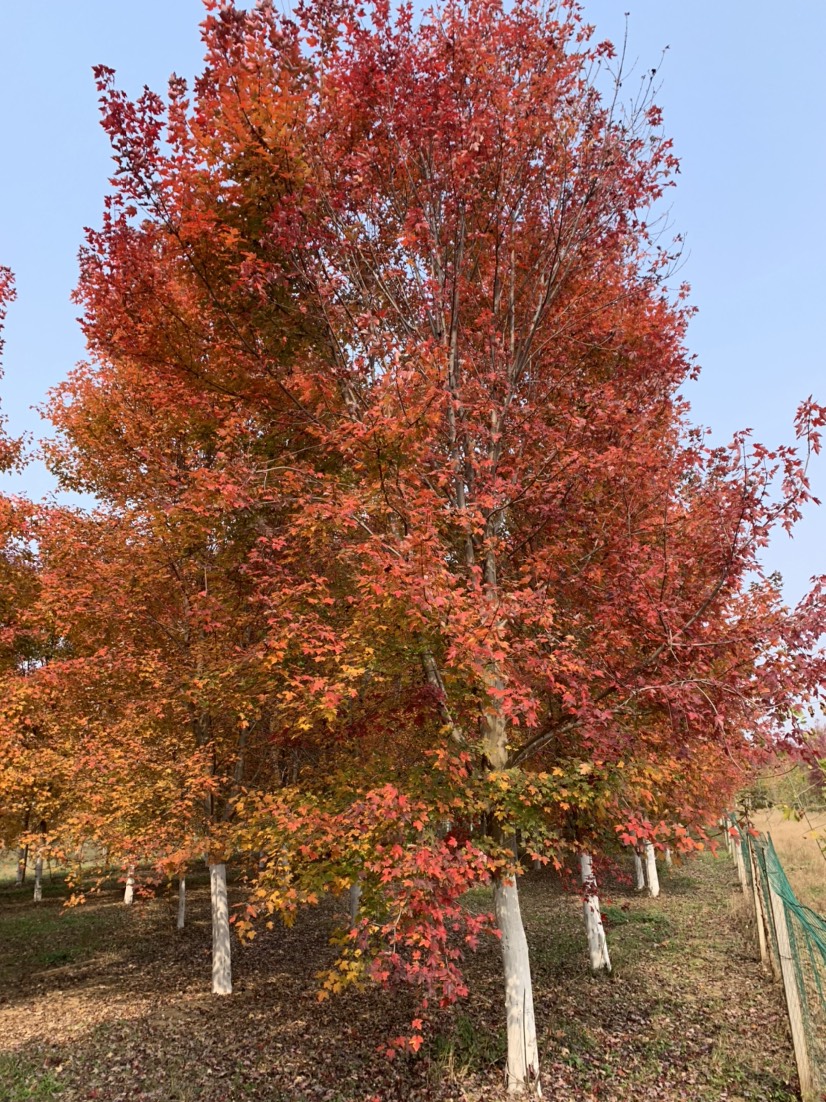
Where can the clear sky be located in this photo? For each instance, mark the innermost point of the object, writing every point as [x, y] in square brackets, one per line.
[744, 94]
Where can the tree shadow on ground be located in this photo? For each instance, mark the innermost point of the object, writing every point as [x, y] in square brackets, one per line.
[128, 1014]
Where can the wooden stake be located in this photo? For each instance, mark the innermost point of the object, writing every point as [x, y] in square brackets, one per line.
[724, 828]
[724, 823]
[741, 868]
[793, 1004]
[759, 917]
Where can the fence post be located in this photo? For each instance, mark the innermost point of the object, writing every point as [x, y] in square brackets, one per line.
[726, 836]
[759, 917]
[741, 868]
[784, 950]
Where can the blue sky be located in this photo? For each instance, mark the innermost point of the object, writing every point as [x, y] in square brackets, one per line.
[744, 94]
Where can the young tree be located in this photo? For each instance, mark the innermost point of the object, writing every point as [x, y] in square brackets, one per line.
[31, 786]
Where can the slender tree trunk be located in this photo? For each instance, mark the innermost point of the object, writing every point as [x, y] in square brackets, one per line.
[597, 943]
[38, 879]
[181, 902]
[129, 890]
[639, 872]
[669, 861]
[523, 1051]
[355, 901]
[651, 877]
[23, 854]
[221, 948]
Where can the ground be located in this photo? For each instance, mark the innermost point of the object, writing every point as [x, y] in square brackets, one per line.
[111, 1003]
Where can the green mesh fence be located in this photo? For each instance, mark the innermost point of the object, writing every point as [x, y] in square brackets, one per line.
[805, 958]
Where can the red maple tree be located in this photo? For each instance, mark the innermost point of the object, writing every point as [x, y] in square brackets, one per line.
[407, 269]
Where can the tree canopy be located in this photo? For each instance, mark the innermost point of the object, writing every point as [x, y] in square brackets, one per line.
[406, 557]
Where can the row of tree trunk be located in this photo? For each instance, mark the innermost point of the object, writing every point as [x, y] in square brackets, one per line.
[518, 994]
[521, 1027]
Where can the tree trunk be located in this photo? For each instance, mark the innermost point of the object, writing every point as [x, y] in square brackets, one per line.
[639, 872]
[597, 943]
[181, 902]
[651, 877]
[355, 900]
[221, 948]
[23, 854]
[38, 879]
[20, 878]
[669, 862]
[523, 1051]
[129, 890]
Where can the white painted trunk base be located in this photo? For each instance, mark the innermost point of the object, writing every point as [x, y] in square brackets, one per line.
[38, 880]
[669, 860]
[129, 890]
[523, 1051]
[639, 872]
[221, 947]
[651, 876]
[181, 902]
[597, 942]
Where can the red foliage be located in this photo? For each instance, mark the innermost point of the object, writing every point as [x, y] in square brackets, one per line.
[383, 347]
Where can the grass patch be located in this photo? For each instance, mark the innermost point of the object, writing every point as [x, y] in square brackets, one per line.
[559, 951]
[466, 1048]
[45, 937]
[635, 930]
[81, 926]
[21, 1081]
[617, 915]
[679, 883]
[478, 900]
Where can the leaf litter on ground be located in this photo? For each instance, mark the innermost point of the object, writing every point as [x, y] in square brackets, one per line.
[112, 1003]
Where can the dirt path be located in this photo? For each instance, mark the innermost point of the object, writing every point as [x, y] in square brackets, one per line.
[111, 1004]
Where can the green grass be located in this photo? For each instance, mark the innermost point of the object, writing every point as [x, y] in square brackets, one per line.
[47, 936]
[466, 1048]
[559, 953]
[21, 1081]
[615, 915]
